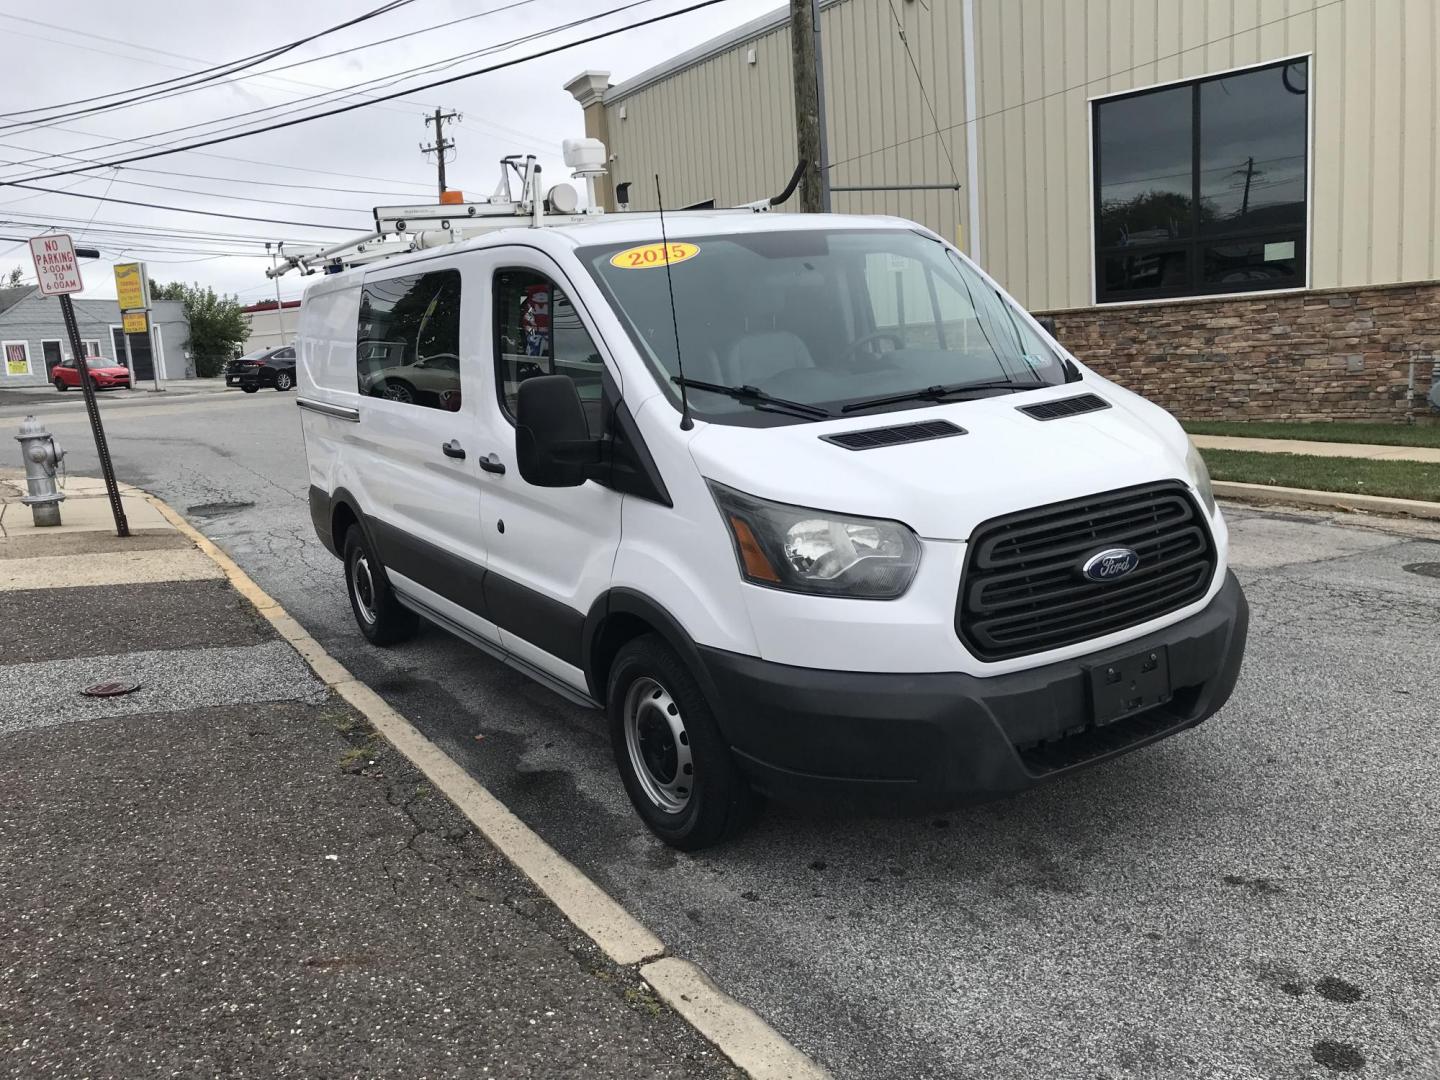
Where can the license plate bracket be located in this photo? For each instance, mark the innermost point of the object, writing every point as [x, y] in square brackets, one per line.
[1129, 685]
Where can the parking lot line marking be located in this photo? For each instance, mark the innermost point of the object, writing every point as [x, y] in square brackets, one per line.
[747, 1040]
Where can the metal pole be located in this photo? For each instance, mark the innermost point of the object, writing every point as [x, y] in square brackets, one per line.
[279, 307]
[102, 448]
[899, 187]
[154, 352]
[820, 107]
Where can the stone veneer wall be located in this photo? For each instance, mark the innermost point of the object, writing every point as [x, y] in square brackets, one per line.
[1336, 354]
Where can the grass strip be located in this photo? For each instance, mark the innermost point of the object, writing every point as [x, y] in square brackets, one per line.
[1340, 431]
[1397, 479]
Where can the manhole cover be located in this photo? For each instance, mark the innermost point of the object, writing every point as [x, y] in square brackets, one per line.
[110, 689]
[1424, 569]
[215, 509]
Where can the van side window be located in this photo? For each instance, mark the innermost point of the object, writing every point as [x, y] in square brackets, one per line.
[408, 345]
[539, 332]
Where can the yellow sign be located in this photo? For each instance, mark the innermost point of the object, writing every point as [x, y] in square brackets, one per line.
[649, 255]
[136, 322]
[17, 358]
[130, 286]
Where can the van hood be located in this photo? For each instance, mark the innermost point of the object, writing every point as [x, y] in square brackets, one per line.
[944, 487]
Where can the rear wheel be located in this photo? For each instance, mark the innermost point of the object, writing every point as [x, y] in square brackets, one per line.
[381, 618]
[676, 767]
[251, 389]
[283, 380]
[61, 385]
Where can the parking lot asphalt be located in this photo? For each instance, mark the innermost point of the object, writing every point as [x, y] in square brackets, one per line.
[1257, 898]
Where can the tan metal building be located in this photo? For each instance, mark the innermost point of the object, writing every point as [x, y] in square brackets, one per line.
[1228, 204]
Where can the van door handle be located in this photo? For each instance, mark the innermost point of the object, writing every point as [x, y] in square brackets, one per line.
[492, 463]
[454, 449]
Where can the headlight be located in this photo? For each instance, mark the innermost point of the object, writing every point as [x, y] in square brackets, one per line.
[1200, 475]
[790, 547]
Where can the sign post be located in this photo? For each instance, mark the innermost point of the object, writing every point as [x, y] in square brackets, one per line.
[132, 289]
[59, 275]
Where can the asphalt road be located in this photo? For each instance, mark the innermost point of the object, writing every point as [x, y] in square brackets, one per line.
[1258, 898]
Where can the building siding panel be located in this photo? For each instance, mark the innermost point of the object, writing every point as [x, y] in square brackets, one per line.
[724, 128]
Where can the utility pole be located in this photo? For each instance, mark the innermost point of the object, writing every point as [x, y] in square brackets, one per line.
[441, 144]
[280, 307]
[810, 106]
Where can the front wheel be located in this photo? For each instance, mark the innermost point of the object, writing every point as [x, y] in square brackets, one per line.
[676, 767]
[381, 618]
[284, 381]
[251, 389]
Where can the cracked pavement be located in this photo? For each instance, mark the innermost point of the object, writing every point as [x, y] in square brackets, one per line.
[1253, 900]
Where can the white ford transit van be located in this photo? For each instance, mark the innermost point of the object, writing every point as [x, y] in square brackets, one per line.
[806, 503]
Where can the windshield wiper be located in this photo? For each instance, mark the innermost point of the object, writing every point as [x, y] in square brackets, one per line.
[753, 395]
[935, 393]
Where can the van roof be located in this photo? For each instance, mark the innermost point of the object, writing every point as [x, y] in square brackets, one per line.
[626, 227]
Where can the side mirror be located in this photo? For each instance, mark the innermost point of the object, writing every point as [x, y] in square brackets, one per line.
[1048, 324]
[553, 446]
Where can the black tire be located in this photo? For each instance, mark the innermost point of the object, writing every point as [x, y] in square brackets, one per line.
[61, 386]
[284, 381]
[251, 389]
[383, 619]
[649, 680]
[399, 390]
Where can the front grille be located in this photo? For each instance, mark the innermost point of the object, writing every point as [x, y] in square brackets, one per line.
[1023, 591]
[874, 438]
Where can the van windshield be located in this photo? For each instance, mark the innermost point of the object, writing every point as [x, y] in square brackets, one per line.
[822, 318]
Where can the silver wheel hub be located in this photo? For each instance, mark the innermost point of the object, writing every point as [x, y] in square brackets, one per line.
[362, 585]
[658, 745]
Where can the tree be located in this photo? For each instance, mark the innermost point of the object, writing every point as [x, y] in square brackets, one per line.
[15, 276]
[217, 325]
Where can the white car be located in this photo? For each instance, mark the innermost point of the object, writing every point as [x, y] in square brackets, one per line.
[884, 538]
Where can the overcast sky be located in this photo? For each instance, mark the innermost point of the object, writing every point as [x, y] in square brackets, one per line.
[346, 164]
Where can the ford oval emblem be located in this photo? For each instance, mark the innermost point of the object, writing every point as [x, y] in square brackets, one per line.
[1110, 564]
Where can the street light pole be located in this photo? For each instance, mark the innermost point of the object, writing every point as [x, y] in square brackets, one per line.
[279, 307]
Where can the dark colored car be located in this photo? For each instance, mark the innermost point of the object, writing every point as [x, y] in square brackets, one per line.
[104, 374]
[263, 367]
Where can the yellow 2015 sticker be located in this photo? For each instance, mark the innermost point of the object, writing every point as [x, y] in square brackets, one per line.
[650, 255]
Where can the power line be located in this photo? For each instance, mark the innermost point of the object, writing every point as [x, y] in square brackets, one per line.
[219, 82]
[211, 194]
[297, 105]
[1088, 82]
[206, 74]
[18, 217]
[920, 82]
[180, 209]
[388, 97]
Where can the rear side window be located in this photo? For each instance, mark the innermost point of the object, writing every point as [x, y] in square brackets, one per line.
[538, 332]
[408, 345]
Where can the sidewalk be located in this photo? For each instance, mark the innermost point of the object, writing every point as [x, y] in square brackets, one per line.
[173, 388]
[1366, 451]
[226, 872]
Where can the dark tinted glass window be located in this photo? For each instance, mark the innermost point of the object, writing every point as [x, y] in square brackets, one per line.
[1146, 179]
[1200, 188]
[408, 345]
[285, 354]
[538, 332]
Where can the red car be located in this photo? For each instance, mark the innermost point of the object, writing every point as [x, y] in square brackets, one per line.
[105, 374]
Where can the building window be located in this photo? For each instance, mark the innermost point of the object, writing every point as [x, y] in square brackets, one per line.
[408, 345]
[1200, 187]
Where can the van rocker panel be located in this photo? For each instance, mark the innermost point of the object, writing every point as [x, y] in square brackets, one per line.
[948, 738]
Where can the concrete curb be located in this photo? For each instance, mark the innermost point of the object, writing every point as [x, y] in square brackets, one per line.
[1326, 500]
[735, 1030]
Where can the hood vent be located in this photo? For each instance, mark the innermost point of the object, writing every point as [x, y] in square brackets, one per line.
[1070, 406]
[874, 438]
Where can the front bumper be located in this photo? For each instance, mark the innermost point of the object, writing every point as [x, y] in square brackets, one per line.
[937, 739]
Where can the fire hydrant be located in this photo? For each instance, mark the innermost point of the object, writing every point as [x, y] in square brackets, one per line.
[42, 456]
